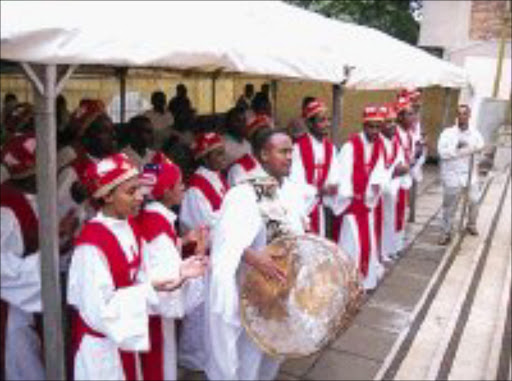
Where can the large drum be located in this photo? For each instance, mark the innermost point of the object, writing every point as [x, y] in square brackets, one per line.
[322, 294]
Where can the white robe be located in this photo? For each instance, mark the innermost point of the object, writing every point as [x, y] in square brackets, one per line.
[20, 280]
[237, 174]
[197, 211]
[391, 239]
[349, 237]
[233, 355]
[121, 315]
[235, 149]
[163, 261]
[298, 174]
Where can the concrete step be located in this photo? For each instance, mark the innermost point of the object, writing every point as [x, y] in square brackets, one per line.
[427, 350]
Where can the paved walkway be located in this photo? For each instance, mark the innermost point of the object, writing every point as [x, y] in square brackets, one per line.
[440, 312]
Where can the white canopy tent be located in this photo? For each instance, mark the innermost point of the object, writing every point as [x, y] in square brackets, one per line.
[267, 38]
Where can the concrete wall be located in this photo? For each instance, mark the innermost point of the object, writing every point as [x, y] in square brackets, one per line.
[493, 113]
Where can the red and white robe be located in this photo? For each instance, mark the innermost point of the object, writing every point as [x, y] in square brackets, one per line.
[314, 162]
[111, 300]
[244, 168]
[389, 241]
[163, 259]
[362, 175]
[20, 286]
[406, 141]
[200, 207]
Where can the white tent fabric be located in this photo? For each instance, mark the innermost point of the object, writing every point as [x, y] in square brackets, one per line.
[252, 37]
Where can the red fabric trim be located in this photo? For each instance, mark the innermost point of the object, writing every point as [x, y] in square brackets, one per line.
[15, 200]
[406, 146]
[153, 361]
[95, 233]
[248, 162]
[207, 189]
[362, 214]
[401, 204]
[308, 162]
[152, 224]
[80, 165]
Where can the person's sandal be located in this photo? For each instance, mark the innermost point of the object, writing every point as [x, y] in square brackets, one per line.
[472, 230]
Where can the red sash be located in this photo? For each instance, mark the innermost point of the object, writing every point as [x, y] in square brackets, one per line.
[96, 234]
[247, 162]
[80, 165]
[406, 146]
[152, 224]
[208, 190]
[401, 204]
[360, 177]
[14, 199]
[308, 162]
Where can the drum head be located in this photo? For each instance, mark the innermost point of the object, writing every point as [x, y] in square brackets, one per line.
[321, 295]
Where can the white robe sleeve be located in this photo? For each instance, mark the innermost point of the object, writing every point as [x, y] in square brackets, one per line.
[379, 176]
[196, 210]
[238, 226]
[344, 177]
[235, 175]
[332, 178]
[297, 171]
[162, 261]
[122, 315]
[20, 277]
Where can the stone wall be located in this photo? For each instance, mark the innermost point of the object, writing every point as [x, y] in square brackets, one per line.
[487, 19]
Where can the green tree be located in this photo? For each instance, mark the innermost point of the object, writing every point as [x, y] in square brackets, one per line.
[397, 18]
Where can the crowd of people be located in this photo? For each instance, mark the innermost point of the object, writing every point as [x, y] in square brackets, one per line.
[145, 244]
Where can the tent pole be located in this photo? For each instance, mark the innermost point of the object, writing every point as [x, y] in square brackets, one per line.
[337, 107]
[273, 88]
[122, 94]
[46, 171]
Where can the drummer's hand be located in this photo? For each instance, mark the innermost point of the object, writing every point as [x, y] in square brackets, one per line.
[196, 241]
[264, 264]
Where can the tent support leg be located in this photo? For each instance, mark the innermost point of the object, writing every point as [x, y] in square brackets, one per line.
[337, 107]
[273, 90]
[44, 81]
[122, 72]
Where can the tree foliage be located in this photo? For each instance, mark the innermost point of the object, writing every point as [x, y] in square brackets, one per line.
[394, 17]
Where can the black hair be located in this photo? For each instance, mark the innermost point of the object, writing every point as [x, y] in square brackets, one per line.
[262, 137]
[260, 103]
[10, 97]
[155, 95]
[307, 100]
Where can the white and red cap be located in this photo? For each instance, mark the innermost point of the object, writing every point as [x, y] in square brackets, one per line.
[313, 108]
[373, 113]
[86, 113]
[159, 175]
[206, 142]
[257, 122]
[19, 155]
[387, 111]
[403, 103]
[108, 173]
